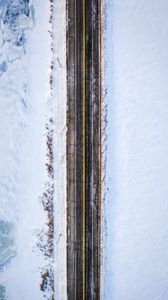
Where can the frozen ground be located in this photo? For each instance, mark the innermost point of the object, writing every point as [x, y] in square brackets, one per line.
[25, 58]
[136, 208]
[60, 108]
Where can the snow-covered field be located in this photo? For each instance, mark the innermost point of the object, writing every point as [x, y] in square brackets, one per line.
[136, 206]
[28, 112]
[33, 150]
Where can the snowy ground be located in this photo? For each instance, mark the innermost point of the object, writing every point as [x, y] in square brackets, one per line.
[25, 60]
[60, 87]
[136, 206]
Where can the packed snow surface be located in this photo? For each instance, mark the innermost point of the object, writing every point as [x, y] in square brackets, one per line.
[136, 206]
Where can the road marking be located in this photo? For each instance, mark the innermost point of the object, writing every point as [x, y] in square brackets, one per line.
[100, 115]
[83, 148]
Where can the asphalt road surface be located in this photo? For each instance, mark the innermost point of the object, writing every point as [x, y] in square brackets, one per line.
[83, 149]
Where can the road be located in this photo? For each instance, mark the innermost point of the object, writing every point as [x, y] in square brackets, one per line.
[83, 149]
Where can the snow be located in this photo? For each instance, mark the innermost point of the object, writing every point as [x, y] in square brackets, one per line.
[60, 87]
[24, 90]
[136, 206]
